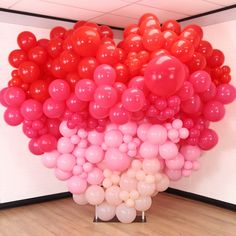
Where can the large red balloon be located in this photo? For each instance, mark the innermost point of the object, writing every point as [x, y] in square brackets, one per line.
[164, 75]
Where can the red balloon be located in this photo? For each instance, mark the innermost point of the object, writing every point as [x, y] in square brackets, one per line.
[183, 50]
[208, 139]
[29, 71]
[86, 41]
[56, 69]
[26, 40]
[216, 59]
[38, 55]
[130, 29]
[86, 67]
[106, 31]
[192, 36]
[107, 54]
[134, 65]
[147, 24]
[68, 61]
[43, 43]
[171, 25]
[79, 24]
[39, 90]
[143, 56]
[197, 62]
[225, 78]
[133, 43]
[72, 78]
[122, 72]
[153, 39]
[164, 75]
[205, 48]
[53, 127]
[147, 16]
[169, 38]
[16, 57]
[58, 32]
[196, 28]
[214, 111]
[54, 47]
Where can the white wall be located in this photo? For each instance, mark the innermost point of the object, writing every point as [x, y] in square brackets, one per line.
[217, 176]
[22, 175]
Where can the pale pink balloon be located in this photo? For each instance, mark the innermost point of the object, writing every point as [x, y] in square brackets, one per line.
[190, 153]
[148, 150]
[129, 128]
[95, 138]
[65, 131]
[151, 166]
[95, 176]
[105, 211]
[80, 199]
[113, 138]
[127, 183]
[62, 175]
[125, 214]
[146, 189]
[76, 185]
[157, 134]
[95, 195]
[49, 159]
[79, 152]
[94, 154]
[163, 184]
[173, 174]
[112, 195]
[168, 150]
[66, 162]
[77, 170]
[64, 145]
[142, 131]
[183, 133]
[143, 203]
[173, 134]
[116, 160]
[176, 163]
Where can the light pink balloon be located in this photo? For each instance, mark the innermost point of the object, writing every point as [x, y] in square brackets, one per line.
[127, 183]
[168, 150]
[64, 145]
[95, 137]
[125, 214]
[65, 131]
[148, 150]
[79, 152]
[177, 124]
[66, 162]
[80, 199]
[190, 153]
[151, 166]
[95, 195]
[105, 211]
[129, 128]
[173, 174]
[176, 163]
[157, 134]
[183, 133]
[173, 134]
[116, 160]
[49, 159]
[62, 175]
[113, 138]
[143, 203]
[112, 195]
[146, 189]
[76, 185]
[186, 173]
[142, 131]
[95, 176]
[94, 154]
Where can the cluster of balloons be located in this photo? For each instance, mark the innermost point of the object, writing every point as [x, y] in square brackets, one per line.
[117, 121]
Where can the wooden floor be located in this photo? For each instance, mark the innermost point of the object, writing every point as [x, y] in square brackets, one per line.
[169, 216]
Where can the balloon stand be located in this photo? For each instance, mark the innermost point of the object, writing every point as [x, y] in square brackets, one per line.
[138, 219]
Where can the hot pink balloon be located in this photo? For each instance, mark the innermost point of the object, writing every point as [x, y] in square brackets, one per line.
[53, 108]
[214, 111]
[119, 115]
[208, 139]
[14, 96]
[192, 105]
[2, 97]
[31, 109]
[226, 93]
[200, 80]
[12, 116]
[74, 104]
[59, 90]
[47, 142]
[97, 111]
[186, 91]
[34, 147]
[104, 74]
[84, 89]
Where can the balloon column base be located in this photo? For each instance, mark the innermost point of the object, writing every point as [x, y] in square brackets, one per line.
[139, 219]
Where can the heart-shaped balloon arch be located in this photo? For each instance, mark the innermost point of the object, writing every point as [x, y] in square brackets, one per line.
[118, 121]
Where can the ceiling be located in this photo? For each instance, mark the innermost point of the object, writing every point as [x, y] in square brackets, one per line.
[116, 13]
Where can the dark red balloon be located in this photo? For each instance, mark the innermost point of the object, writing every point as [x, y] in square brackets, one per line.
[171, 25]
[153, 39]
[38, 55]
[68, 61]
[26, 40]
[130, 29]
[133, 43]
[57, 32]
[107, 54]
[86, 67]
[16, 57]
[122, 73]
[216, 59]
[54, 47]
[205, 48]
[29, 71]
[39, 90]
[106, 31]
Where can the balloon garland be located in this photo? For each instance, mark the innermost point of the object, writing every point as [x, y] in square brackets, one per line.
[118, 122]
